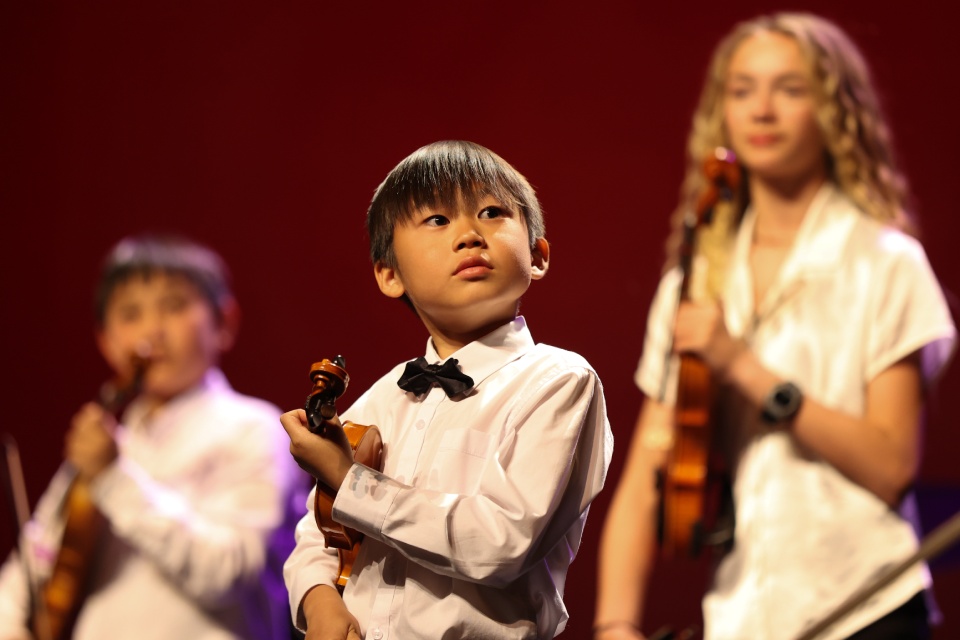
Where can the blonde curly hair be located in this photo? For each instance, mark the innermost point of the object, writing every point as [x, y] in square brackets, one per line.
[860, 154]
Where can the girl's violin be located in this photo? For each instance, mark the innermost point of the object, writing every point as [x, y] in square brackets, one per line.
[692, 480]
[330, 380]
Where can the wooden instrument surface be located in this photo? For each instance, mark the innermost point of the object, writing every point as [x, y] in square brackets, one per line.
[691, 482]
[330, 380]
[64, 591]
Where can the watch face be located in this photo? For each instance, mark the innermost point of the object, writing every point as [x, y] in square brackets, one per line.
[782, 403]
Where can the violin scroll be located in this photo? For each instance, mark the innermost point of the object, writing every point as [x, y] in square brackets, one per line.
[330, 380]
[723, 177]
[118, 392]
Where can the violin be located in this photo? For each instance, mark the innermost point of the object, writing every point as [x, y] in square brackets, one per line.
[330, 380]
[691, 483]
[63, 593]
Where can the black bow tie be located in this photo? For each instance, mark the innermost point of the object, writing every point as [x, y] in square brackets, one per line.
[419, 376]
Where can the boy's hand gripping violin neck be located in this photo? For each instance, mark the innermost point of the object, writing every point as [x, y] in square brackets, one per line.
[55, 611]
[330, 380]
[691, 485]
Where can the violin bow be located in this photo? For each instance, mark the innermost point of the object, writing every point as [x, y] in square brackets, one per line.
[935, 543]
[16, 490]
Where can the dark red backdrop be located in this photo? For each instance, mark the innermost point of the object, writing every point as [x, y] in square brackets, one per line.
[262, 130]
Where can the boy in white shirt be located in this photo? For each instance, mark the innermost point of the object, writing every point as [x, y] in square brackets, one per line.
[490, 460]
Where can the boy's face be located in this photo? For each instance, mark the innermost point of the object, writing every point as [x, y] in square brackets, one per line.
[464, 269]
[165, 316]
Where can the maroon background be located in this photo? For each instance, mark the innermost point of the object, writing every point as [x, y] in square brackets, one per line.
[264, 130]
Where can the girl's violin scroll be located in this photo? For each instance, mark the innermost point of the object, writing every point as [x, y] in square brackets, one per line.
[330, 380]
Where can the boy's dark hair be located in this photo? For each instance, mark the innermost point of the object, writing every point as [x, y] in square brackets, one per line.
[147, 255]
[437, 175]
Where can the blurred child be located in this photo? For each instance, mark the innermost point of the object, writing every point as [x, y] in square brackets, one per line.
[192, 483]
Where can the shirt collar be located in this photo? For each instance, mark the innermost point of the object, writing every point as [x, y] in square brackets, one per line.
[817, 250]
[487, 355]
[822, 235]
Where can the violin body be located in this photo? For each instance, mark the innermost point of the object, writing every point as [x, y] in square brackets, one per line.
[367, 448]
[693, 483]
[330, 381]
[64, 592]
[693, 476]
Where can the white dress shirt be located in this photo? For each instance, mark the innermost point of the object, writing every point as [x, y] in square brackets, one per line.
[193, 502]
[480, 507]
[852, 298]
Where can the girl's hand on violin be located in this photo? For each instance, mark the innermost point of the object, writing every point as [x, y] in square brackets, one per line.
[700, 330]
[327, 458]
[90, 444]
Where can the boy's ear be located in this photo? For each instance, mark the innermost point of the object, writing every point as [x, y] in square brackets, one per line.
[540, 254]
[388, 278]
[229, 324]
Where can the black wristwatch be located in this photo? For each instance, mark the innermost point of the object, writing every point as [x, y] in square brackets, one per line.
[781, 404]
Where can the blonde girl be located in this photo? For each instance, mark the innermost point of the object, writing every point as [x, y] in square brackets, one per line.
[824, 326]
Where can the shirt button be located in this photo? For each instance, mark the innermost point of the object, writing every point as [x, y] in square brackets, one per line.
[419, 425]
[377, 634]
